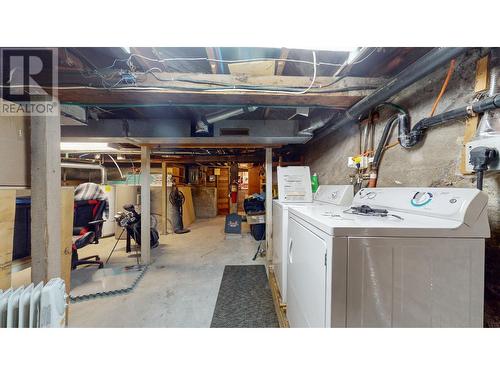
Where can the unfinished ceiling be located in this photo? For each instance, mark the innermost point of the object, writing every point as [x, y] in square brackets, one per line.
[214, 98]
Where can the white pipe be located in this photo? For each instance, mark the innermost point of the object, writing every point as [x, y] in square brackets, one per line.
[119, 170]
[104, 174]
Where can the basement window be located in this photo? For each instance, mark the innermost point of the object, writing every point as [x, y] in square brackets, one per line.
[234, 131]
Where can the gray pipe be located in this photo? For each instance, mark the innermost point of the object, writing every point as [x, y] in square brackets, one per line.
[317, 123]
[202, 124]
[418, 70]
[104, 173]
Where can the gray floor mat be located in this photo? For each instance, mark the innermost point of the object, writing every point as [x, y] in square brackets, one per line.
[245, 299]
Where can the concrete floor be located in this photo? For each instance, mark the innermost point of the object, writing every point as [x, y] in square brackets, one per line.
[180, 287]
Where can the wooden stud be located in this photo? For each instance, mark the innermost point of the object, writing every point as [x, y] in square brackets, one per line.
[145, 205]
[67, 203]
[45, 198]
[481, 83]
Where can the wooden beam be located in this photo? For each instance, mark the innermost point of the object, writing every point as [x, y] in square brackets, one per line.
[481, 84]
[269, 204]
[172, 89]
[188, 159]
[45, 198]
[145, 205]
[171, 97]
[280, 67]
[211, 55]
[253, 68]
[216, 146]
[203, 80]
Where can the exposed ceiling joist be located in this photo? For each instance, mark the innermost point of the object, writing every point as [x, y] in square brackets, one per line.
[202, 80]
[211, 56]
[280, 66]
[175, 89]
[157, 98]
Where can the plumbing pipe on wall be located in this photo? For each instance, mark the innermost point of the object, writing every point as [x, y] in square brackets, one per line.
[410, 138]
[418, 70]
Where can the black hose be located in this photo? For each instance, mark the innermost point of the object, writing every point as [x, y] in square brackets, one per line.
[409, 138]
[416, 71]
[383, 140]
[479, 180]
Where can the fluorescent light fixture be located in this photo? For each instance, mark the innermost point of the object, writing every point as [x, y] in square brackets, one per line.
[127, 50]
[86, 146]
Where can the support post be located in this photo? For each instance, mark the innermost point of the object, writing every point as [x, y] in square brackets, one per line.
[269, 203]
[164, 198]
[145, 205]
[45, 198]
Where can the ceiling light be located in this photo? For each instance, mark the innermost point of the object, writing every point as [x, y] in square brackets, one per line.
[86, 146]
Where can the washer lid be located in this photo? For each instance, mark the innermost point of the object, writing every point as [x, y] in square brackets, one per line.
[335, 221]
[460, 205]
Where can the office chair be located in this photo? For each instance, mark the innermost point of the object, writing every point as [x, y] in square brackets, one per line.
[87, 229]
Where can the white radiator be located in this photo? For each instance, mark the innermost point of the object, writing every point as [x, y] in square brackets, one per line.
[34, 306]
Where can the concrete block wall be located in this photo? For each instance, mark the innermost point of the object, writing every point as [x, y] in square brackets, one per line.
[435, 162]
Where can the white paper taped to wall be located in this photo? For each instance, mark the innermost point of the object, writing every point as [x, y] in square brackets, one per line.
[294, 184]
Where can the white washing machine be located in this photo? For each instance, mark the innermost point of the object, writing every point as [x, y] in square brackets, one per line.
[108, 227]
[325, 195]
[419, 264]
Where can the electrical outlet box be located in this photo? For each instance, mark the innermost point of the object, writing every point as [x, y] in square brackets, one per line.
[362, 161]
[491, 142]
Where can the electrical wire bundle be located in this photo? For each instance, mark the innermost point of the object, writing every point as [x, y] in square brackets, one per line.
[128, 79]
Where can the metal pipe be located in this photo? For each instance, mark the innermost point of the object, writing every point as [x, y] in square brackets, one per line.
[409, 138]
[418, 70]
[494, 79]
[104, 174]
[317, 123]
[202, 124]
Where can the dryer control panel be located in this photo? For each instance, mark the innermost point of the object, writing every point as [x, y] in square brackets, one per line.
[340, 195]
[463, 205]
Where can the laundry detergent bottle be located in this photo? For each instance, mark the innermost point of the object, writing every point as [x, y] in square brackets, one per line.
[314, 182]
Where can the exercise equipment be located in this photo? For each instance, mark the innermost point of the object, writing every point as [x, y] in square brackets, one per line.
[177, 199]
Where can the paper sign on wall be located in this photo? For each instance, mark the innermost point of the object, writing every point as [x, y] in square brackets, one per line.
[294, 184]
